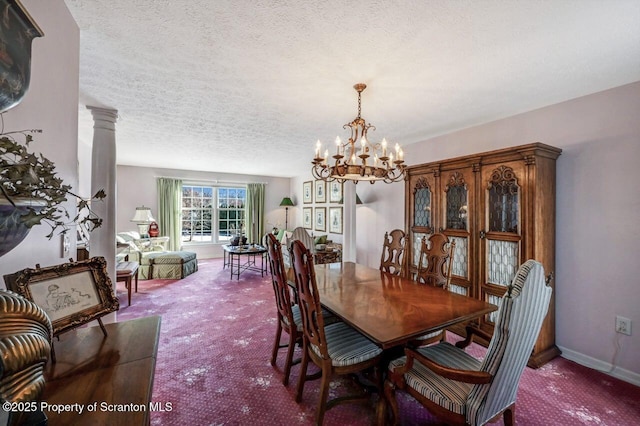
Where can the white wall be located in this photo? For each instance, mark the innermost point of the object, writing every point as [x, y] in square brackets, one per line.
[137, 187]
[598, 197]
[51, 104]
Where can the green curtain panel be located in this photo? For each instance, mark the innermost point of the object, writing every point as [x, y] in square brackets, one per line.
[255, 212]
[170, 210]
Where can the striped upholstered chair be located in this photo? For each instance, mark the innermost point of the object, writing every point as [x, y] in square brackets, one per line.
[463, 390]
[337, 348]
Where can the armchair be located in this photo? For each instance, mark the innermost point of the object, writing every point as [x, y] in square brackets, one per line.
[463, 390]
[298, 233]
[132, 248]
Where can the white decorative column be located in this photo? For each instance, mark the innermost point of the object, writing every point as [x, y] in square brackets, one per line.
[103, 176]
[349, 222]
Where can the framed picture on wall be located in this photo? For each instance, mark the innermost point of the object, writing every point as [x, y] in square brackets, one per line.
[335, 191]
[335, 220]
[307, 217]
[321, 191]
[307, 197]
[320, 222]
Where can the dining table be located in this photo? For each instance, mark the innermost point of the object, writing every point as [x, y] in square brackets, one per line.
[389, 309]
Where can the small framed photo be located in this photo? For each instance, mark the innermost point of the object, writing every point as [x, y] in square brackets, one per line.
[321, 191]
[307, 217]
[320, 222]
[72, 294]
[335, 220]
[307, 195]
[335, 192]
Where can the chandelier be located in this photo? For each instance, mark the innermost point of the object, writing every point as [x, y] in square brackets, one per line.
[358, 158]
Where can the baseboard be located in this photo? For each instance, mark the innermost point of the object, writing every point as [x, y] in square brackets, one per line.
[605, 367]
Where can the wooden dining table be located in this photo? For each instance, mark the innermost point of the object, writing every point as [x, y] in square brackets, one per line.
[388, 309]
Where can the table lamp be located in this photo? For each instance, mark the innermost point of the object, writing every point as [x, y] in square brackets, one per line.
[286, 202]
[143, 218]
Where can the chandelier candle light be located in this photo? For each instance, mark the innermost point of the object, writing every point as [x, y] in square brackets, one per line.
[359, 159]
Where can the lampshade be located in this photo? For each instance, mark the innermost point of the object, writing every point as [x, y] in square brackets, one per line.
[143, 215]
[358, 200]
[286, 201]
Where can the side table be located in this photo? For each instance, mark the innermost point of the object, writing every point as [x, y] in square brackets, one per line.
[328, 256]
[96, 377]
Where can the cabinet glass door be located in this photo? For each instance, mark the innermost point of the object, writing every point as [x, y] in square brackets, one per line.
[458, 190]
[500, 230]
[422, 201]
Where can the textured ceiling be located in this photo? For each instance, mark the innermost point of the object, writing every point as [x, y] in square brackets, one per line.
[247, 86]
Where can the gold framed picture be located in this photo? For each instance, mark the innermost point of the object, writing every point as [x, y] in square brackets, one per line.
[335, 192]
[320, 191]
[307, 197]
[72, 294]
[307, 217]
[320, 219]
[335, 220]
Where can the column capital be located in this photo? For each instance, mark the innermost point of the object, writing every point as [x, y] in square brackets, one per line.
[104, 118]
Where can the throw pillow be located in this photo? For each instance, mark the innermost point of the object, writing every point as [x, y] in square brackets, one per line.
[322, 239]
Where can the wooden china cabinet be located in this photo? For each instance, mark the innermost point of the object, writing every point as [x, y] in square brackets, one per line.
[499, 208]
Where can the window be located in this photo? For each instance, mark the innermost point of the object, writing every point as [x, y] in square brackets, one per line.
[212, 214]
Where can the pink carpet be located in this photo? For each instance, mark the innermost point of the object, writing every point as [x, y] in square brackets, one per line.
[213, 365]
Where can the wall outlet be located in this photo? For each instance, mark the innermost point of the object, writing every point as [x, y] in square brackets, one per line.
[623, 325]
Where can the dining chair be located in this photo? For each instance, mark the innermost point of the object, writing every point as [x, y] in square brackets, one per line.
[393, 248]
[461, 389]
[286, 319]
[434, 268]
[436, 261]
[337, 349]
[289, 315]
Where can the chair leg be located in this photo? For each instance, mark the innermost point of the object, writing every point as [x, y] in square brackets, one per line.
[324, 394]
[510, 415]
[390, 396]
[276, 344]
[128, 282]
[289, 360]
[303, 373]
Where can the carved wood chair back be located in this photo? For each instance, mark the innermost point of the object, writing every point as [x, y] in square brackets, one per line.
[436, 261]
[336, 348]
[393, 249]
[285, 307]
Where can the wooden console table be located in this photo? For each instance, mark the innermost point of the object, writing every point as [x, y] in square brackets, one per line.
[103, 375]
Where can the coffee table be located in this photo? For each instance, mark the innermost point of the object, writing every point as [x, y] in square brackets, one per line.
[233, 256]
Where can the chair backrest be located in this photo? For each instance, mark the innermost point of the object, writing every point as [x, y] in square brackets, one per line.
[308, 298]
[301, 234]
[393, 248]
[520, 316]
[279, 279]
[436, 260]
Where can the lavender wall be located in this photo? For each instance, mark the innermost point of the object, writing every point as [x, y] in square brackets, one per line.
[598, 197]
[137, 187]
[51, 104]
